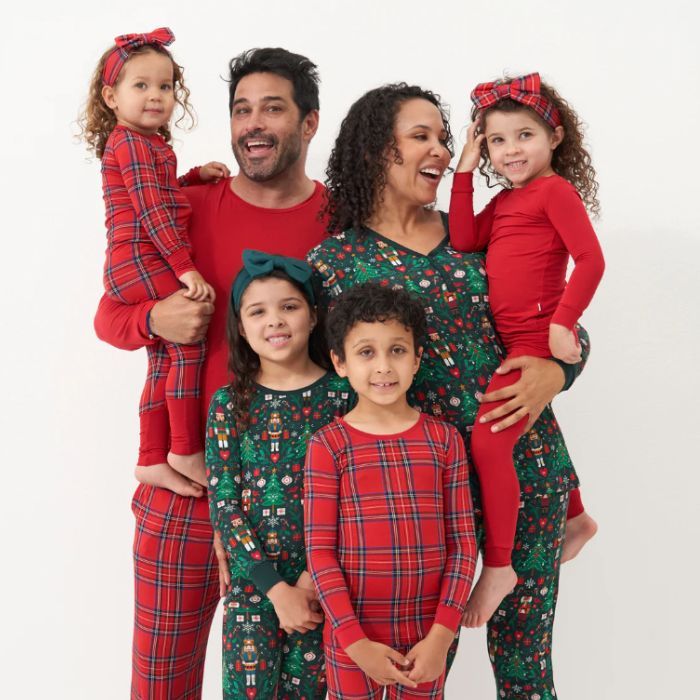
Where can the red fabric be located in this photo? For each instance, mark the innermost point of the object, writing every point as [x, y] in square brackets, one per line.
[389, 530]
[492, 454]
[176, 577]
[529, 234]
[575, 504]
[525, 90]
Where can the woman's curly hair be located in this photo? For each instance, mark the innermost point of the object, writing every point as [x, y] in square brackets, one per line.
[97, 120]
[243, 361]
[570, 159]
[356, 172]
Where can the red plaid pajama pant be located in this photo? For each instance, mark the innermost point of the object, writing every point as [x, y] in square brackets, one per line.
[169, 411]
[176, 594]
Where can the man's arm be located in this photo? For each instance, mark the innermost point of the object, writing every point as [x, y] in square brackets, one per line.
[132, 326]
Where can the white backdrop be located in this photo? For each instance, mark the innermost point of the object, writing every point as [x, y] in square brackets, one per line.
[627, 617]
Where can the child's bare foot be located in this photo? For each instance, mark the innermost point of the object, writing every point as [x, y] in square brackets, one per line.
[578, 531]
[494, 584]
[191, 466]
[165, 477]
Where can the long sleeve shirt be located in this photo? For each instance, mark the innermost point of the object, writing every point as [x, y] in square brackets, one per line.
[528, 234]
[389, 530]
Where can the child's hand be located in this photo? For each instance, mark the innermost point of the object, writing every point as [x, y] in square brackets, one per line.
[197, 288]
[429, 656]
[377, 661]
[293, 608]
[213, 172]
[306, 583]
[563, 344]
[472, 149]
[165, 477]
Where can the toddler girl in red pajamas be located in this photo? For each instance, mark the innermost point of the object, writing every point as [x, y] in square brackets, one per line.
[132, 96]
[388, 516]
[526, 135]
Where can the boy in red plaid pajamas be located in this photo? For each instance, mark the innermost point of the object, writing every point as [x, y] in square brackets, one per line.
[388, 515]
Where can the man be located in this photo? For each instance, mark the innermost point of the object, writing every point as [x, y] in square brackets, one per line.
[271, 205]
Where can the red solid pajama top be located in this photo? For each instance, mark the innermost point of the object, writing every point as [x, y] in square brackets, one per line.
[389, 530]
[529, 233]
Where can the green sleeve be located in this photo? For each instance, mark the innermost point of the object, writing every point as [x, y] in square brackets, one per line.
[222, 456]
[571, 372]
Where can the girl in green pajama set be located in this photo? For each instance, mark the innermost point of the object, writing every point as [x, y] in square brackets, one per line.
[380, 184]
[256, 438]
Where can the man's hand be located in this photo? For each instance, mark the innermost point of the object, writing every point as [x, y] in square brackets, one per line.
[224, 571]
[376, 659]
[540, 382]
[181, 320]
[429, 656]
[293, 608]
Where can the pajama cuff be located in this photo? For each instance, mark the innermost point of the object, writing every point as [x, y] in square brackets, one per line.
[570, 372]
[265, 576]
[180, 261]
[449, 617]
[349, 634]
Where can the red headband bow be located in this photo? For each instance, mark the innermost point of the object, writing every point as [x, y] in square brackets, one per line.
[125, 44]
[525, 89]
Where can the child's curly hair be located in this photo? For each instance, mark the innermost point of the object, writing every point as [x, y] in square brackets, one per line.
[97, 120]
[570, 159]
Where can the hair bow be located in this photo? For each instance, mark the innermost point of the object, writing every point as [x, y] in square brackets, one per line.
[256, 264]
[125, 44]
[525, 90]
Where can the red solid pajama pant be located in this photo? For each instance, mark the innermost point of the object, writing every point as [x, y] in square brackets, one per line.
[169, 411]
[492, 454]
[176, 594]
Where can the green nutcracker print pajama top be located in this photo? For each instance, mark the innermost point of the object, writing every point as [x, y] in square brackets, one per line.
[461, 353]
[256, 491]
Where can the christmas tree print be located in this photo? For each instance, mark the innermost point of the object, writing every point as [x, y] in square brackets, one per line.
[247, 449]
[362, 275]
[294, 663]
[274, 493]
[537, 558]
[225, 488]
[297, 448]
[476, 280]
[516, 667]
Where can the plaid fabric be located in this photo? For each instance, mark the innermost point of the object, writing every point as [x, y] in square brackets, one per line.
[125, 44]
[389, 530]
[346, 681]
[176, 589]
[525, 89]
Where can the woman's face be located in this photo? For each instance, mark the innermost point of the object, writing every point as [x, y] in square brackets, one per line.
[420, 140]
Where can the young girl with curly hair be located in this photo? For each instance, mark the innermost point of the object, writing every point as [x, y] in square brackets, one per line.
[529, 138]
[133, 93]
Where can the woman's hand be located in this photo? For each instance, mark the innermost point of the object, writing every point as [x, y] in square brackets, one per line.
[222, 559]
[540, 382]
[471, 153]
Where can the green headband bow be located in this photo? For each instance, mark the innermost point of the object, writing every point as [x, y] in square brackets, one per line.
[258, 264]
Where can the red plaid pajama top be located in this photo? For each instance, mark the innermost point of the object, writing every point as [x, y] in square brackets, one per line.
[389, 530]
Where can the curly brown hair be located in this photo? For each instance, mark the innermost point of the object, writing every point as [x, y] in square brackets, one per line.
[356, 172]
[244, 363]
[570, 159]
[97, 120]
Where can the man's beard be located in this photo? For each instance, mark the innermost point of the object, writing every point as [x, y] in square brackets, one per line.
[288, 152]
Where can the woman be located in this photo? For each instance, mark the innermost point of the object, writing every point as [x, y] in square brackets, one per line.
[392, 150]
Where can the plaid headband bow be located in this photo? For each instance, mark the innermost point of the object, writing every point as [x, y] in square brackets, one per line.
[525, 90]
[125, 44]
[258, 264]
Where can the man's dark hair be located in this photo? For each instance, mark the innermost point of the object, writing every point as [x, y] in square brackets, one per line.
[299, 70]
[372, 303]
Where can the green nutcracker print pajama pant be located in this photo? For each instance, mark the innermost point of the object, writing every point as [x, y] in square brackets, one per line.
[260, 659]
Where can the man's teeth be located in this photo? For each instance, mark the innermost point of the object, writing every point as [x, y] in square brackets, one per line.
[258, 144]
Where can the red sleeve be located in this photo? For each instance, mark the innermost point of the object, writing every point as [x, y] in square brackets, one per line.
[468, 233]
[321, 496]
[123, 325]
[190, 178]
[568, 216]
[459, 532]
[138, 170]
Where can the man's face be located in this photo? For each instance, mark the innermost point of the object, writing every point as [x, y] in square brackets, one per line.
[267, 132]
